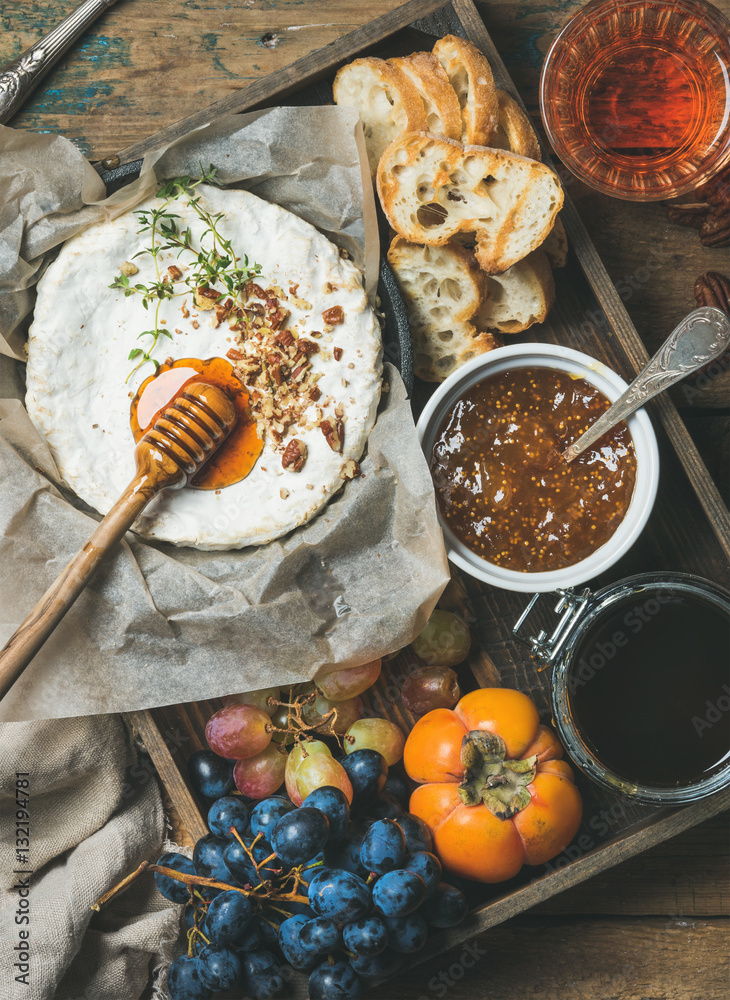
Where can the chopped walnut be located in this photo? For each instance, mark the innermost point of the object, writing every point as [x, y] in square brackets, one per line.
[334, 315]
[350, 469]
[174, 272]
[337, 352]
[205, 298]
[128, 268]
[283, 493]
[234, 354]
[334, 436]
[295, 455]
[184, 310]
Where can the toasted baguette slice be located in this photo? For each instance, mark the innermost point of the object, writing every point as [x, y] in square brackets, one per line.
[386, 99]
[433, 189]
[518, 298]
[514, 131]
[471, 77]
[443, 114]
[442, 288]
[555, 245]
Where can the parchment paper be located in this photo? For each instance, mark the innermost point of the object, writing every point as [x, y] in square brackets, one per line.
[161, 624]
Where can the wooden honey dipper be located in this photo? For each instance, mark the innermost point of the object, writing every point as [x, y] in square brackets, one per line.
[186, 434]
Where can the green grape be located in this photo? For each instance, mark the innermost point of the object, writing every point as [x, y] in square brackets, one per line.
[376, 734]
[445, 640]
[347, 712]
[257, 698]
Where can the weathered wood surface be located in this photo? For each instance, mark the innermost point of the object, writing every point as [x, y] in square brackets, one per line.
[148, 63]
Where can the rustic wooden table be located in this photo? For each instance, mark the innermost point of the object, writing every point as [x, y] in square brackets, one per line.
[655, 927]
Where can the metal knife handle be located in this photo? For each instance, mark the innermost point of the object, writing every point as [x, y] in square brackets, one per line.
[702, 336]
[19, 78]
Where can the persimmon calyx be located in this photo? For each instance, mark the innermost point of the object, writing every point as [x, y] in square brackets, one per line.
[491, 779]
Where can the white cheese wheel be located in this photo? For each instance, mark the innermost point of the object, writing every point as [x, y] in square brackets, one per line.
[83, 331]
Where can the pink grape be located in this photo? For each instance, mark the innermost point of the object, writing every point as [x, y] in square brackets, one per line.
[347, 712]
[262, 775]
[339, 685]
[238, 731]
[376, 734]
[257, 698]
[318, 768]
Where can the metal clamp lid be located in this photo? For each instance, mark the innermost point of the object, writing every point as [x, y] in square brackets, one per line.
[547, 647]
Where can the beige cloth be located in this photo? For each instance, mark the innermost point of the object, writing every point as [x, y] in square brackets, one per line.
[95, 814]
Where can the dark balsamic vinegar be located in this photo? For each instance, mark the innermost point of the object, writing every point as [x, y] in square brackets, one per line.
[649, 688]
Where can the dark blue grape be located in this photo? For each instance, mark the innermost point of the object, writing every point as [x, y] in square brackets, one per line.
[335, 981]
[268, 812]
[220, 967]
[298, 955]
[346, 854]
[379, 966]
[261, 975]
[210, 775]
[184, 982]
[447, 907]
[320, 935]
[408, 934]
[333, 803]
[250, 940]
[398, 892]
[237, 860]
[339, 895]
[426, 865]
[417, 834]
[385, 807]
[300, 835]
[228, 916]
[397, 786]
[170, 888]
[208, 858]
[188, 919]
[367, 771]
[229, 811]
[267, 933]
[367, 936]
[383, 847]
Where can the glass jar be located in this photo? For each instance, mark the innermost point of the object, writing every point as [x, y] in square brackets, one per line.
[632, 700]
[635, 96]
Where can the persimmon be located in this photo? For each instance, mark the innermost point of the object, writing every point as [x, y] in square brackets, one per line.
[494, 790]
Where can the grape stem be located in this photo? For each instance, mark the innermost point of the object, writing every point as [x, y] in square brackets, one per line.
[190, 881]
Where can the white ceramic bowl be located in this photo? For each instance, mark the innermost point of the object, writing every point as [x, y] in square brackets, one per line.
[647, 462]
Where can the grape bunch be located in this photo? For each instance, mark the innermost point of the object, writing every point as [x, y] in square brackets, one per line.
[340, 885]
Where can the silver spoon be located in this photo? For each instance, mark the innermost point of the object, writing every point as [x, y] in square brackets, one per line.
[702, 336]
[25, 73]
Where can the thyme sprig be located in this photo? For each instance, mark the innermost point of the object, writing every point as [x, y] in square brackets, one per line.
[213, 262]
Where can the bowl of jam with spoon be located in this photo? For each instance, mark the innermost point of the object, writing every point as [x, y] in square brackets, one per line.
[513, 512]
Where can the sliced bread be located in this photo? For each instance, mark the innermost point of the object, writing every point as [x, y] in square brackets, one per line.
[387, 101]
[443, 113]
[442, 288]
[514, 131]
[519, 297]
[470, 75]
[433, 189]
[555, 245]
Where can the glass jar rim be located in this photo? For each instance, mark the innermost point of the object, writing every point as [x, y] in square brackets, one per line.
[569, 734]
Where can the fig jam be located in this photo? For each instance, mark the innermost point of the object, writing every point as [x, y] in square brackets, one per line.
[502, 486]
[649, 688]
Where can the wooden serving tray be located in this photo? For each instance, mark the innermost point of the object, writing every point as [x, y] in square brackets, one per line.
[689, 529]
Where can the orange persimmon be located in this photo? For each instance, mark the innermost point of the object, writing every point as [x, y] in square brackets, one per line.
[493, 789]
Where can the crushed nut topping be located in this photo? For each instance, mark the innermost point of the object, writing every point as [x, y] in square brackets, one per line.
[128, 268]
[350, 469]
[205, 298]
[334, 435]
[295, 455]
[337, 352]
[334, 315]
